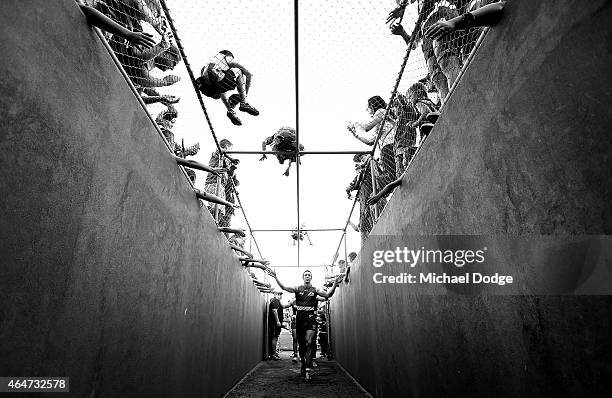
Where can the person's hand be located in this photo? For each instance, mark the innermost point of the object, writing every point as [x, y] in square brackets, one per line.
[240, 233]
[141, 39]
[169, 99]
[264, 157]
[372, 200]
[440, 29]
[236, 206]
[397, 29]
[414, 124]
[348, 195]
[397, 13]
[351, 129]
[170, 79]
[165, 41]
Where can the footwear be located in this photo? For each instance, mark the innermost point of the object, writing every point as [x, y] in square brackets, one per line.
[432, 117]
[244, 107]
[307, 374]
[426, 129]
[314, 363]
[294, 359]
[231, 114]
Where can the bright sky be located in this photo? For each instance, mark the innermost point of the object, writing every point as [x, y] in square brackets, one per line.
[346, 55]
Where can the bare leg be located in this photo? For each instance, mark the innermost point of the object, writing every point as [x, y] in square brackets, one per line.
[439, 80]
[286, 173]
[309, 348]
[451, 67]
[240, 84]
[225, 101]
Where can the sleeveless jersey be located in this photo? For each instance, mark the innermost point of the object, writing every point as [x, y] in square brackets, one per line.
[305, 301]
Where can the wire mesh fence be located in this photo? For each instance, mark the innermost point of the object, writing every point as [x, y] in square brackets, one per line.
[397, 125]
[424, 83]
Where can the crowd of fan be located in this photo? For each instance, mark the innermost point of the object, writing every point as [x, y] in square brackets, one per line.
[448, 31]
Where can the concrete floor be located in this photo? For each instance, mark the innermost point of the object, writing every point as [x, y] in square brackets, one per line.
[282, 379]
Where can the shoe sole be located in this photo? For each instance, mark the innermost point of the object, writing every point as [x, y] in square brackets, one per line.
[235, 122]
[250, 112]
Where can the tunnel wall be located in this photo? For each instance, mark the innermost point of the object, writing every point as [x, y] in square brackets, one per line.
[523, 147]
[111, 273]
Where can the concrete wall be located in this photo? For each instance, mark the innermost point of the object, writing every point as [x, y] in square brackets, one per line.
[111, 273]
[523, 147]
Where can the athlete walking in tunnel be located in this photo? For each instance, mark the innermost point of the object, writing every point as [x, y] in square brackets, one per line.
[306, 320]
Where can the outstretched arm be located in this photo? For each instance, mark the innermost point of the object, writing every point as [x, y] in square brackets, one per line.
[103, 22]
[385, 191]
[214, 199]
[281, 285]
[331, 291]
[241, 250]
[488, 15]
[239, 232]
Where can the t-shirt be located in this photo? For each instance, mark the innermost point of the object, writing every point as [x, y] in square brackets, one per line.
[275, 305]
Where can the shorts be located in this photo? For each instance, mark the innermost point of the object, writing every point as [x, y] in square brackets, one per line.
[273, 330]
[306, 322]
[213, 88]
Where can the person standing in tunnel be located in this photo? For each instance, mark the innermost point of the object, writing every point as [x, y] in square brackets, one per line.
[275, 321]
[306, 320]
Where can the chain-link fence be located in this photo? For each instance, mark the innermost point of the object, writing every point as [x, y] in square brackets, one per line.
[403, 122]
[399, 123]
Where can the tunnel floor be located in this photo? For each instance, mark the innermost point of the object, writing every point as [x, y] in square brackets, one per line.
[282, 379]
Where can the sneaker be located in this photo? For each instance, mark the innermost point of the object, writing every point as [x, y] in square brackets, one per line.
[231, 114]
[426, 129]
[244, 107]
[314, 363]
[307, 374]
[294, 359]
[432, 117]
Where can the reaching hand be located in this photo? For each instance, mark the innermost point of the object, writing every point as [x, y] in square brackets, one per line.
[397, 29]
[348, 195]
[170, 79]
[264, 157]
[397, 13]
[169, 99]
[440, 29]
[141, 39]
[372, 200]
[240, 233]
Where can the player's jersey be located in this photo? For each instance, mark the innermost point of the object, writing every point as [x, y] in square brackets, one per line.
[305, 301]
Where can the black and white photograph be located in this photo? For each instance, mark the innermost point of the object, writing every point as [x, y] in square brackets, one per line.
[306, 198]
